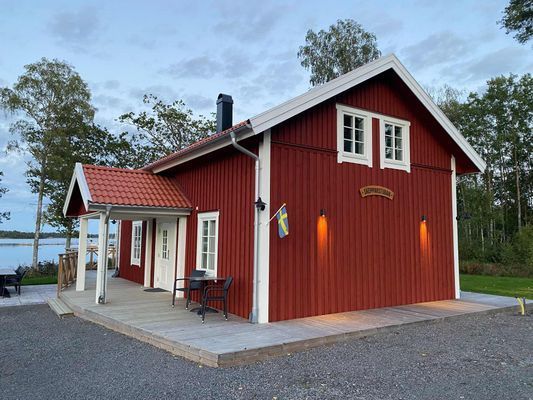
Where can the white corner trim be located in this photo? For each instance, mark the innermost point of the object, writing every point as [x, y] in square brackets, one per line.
[455, 233]
[78, 176]
[181, 248]
[404, 165]
[284, 111]
[342, 156]
[263, 268]
[202, 216]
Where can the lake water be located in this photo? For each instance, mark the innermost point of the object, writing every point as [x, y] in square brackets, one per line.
[14, 252]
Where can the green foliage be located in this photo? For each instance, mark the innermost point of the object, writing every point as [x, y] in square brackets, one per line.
[28, 235]
[494, 206]
[519, 251]
[164, 129]
[3, 214]
[518, 18]
[344, 47]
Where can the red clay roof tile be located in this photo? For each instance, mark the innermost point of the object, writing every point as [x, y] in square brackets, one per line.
[128, 187]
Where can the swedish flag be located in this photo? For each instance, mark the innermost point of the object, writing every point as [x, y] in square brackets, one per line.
[283, 222]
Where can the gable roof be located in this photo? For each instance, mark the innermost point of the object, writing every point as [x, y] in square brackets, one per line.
[125, 187]
[276, 115]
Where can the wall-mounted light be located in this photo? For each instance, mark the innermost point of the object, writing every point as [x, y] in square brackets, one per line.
[323, 212]
[423, 219]
[260, 204]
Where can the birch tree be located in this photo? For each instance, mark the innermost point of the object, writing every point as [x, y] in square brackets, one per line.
[52, 101]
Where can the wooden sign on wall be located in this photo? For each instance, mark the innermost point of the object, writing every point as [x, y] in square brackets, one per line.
[373, 190]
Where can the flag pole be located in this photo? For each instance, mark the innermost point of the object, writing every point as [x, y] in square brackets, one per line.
[276, 213]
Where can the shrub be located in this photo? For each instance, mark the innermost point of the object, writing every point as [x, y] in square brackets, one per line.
[43, 268]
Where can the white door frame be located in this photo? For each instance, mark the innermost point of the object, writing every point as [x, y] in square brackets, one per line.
[177, 252]
[171, 246]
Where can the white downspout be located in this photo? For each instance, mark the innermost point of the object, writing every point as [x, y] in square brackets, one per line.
[253, 313]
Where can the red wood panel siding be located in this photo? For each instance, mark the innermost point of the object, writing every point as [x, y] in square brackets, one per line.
[130, 272]
[385, 94]
[368, 252]
[224, 182]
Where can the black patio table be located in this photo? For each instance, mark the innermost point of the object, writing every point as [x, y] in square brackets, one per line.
[4, 274]
[204, 280]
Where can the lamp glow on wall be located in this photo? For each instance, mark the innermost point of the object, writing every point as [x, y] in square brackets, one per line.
[322, 234]
[425, 248]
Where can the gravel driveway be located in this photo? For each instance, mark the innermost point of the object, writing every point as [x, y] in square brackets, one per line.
[477, 357]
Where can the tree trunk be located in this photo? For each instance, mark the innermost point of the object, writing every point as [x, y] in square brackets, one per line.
[518, 195]
[38, 218]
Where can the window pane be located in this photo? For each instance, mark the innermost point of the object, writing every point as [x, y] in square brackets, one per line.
[388, 129]
[348, 120]
[388, 153]
[399, 155]
[204, 244]
[359, 148]
[358, 136]
[204, 260]
[398, 131]
[388, 141]
[348, 133]
[211, 243]
[348, 146]
[211, 228]
[359, 123]
[204, 228]
[211, 261]
[398, 144]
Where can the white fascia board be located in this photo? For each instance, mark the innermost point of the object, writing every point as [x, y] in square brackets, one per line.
[78, 176]
[202, 151]
[278, 114]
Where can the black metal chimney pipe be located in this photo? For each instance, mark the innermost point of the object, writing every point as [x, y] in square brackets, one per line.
[224, 112]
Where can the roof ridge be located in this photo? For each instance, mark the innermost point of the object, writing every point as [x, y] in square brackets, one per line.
[126, 170]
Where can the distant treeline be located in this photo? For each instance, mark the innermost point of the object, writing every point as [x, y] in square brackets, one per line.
[43, 235]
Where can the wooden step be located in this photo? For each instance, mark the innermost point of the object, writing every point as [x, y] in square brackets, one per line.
[60, 308]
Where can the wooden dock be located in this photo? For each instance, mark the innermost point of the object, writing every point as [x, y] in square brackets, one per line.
[149, 317]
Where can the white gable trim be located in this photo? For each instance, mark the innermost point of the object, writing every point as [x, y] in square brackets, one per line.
[78, 176]
[278, 114]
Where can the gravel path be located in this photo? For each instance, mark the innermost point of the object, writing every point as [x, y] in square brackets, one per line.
[478, 357]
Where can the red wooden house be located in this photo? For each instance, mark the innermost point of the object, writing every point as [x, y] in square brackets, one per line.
[366, 165]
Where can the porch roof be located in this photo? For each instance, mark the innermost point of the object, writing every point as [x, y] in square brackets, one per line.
[95, 187]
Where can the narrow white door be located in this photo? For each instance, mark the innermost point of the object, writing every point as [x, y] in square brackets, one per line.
[165, 255]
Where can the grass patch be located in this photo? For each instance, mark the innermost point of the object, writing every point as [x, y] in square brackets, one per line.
[39, 280]
[498, 285]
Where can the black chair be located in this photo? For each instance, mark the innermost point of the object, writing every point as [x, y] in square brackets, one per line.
[190, 287]
[16, 280]
[217, 293]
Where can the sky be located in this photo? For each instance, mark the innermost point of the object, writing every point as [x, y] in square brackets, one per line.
[194, 50]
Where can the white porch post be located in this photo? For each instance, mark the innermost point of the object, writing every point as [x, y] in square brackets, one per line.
[82, 255]
[101, 271]
[148, 254]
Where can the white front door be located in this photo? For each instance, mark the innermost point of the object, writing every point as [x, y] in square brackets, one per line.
[165, 252]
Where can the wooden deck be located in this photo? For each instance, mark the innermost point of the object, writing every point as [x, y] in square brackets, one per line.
[149, 316]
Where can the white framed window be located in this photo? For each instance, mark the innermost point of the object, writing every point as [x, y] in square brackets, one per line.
[207, 242]
[394, 144]
[354, 135]
[136, 242]
[164, 244]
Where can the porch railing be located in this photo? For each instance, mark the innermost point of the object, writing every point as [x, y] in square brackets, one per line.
[66, 272]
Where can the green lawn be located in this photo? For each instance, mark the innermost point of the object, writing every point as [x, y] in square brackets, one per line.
[499, 285]
[39, 280]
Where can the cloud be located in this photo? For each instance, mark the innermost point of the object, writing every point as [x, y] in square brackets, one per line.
[198, 102]
[436, 49]
[75, 28]
[195, 67]
[477, 70]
